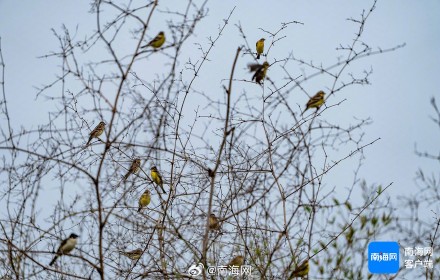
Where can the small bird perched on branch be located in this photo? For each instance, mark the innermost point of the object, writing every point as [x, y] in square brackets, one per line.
[96, 132]
[315, 102]
[260, 71]
[214, 223]
[260, 47]
[134, 255]
[237, 261]
[134, 167]
[66, 246]
[157, 42]
[144, 200]
[301, 270]
[155, 175]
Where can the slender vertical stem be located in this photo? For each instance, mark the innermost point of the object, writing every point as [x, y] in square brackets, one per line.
[217, 164]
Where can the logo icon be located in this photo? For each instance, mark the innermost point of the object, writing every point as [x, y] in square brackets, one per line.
[195, 270]
[383, 257]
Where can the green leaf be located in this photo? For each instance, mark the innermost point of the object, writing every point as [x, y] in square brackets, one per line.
[363, 221]
[349, 235]
[379, 189]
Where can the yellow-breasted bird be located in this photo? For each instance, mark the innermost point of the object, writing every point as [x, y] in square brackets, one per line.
[134, 255]
[214, 223]
[260, 47]
[66, 246]
[157, 42]
[134, 167]
[237, 261]
[316, 101]
[155, 175]
[96, 132]
[144, 200]
[260, 71]
[301, 270]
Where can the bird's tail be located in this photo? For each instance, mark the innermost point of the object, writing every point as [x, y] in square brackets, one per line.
[163, 190]
[302, 113]
[88, 142]
[53, 260]
[258, 56]
[126, 175]
[140, 208]
[254, 77]
[123, 253]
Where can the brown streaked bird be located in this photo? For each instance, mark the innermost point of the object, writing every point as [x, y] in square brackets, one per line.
[214, 223]
[237, 261]
[134, 167]
[155, 175]
[301, 270]
[260, 71]
[66, 246]
[134, 255]
[96, 132]
[315, 101]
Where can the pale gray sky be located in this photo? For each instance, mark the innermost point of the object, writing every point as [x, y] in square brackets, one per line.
[397, 101]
